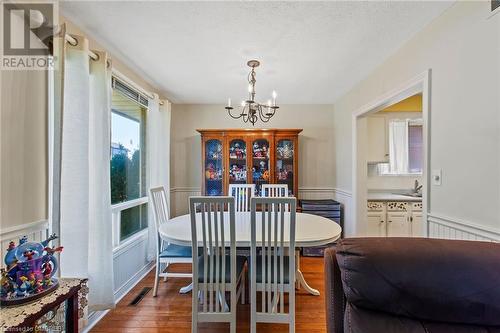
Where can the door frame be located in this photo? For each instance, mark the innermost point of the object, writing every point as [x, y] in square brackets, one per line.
[419, 84]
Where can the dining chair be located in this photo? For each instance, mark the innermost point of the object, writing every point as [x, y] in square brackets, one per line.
[274, 190]
[242, 194]
[166, 253]
[216, 271]
[272, 271]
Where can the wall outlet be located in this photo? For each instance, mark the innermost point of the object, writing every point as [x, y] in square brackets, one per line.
[436, 177]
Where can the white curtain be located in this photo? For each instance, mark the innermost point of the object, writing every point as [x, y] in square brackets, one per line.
[158, 129]
[85, 225]
[398, 146]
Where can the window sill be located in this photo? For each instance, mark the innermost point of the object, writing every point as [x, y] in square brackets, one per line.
[129, 242]
[400, 175]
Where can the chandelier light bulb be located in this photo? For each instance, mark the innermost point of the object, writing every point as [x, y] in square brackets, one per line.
[250, 88]
[243, 103]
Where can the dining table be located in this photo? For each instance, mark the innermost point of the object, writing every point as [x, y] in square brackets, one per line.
[310, 231]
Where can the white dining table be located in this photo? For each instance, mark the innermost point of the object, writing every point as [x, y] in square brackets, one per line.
[310, 230]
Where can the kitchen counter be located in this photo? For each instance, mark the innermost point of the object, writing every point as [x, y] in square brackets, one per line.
[387, 196]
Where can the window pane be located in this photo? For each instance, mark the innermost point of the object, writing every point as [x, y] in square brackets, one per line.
[133, 220]
[127, 149]
[415, 148]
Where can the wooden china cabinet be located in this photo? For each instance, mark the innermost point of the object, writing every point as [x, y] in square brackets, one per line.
[249, 156]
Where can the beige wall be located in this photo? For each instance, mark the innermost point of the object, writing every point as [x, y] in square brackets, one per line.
[23, 148]
[315, 141]
[462, 48]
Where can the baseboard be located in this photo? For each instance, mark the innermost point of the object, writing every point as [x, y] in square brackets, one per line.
[96, 316]
[453, 228]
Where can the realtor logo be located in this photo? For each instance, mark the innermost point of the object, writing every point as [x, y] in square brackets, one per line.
[27, 33]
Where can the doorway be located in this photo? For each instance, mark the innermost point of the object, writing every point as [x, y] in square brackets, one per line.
[420, 85]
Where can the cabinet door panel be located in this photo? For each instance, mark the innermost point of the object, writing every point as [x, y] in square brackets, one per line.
[397, 224]
[285, 163]
[261, 163]
[237, 154]
[213, 167]
[376, 224]
[417, 224]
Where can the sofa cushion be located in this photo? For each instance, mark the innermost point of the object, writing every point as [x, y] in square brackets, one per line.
[359, 320]
[427, 279]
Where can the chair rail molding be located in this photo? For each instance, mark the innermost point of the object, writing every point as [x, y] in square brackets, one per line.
[35, 231]
[452, 228]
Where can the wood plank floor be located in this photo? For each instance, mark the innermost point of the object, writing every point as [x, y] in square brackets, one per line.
[171, 311]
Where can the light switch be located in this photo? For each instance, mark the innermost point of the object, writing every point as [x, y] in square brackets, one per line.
[436, 177]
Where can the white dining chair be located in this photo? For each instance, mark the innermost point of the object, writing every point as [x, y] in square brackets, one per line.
[272, 271]
[242, 194]
[166, 253]
[274, 191]
[216, 271]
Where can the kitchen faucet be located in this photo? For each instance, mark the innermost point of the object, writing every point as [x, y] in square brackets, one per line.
[418, 187]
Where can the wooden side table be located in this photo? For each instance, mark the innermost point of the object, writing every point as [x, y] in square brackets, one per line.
[57, 311]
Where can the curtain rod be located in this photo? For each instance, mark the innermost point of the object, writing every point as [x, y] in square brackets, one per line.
[71, 40]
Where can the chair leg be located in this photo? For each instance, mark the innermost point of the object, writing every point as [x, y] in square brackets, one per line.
[194, 314]
[157, 270]
[291, 309]
[165, 271]
[243, 283]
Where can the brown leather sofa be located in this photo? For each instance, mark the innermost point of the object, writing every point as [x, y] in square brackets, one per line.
[417, 285]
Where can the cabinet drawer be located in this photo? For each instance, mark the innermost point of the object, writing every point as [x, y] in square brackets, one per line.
[397, 206]
[416, 206]
[375, 206]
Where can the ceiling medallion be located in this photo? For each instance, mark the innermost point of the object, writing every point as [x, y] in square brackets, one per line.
[252, 111]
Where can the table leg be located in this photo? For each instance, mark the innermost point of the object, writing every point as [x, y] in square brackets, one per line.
[186, 289]
[299, 277]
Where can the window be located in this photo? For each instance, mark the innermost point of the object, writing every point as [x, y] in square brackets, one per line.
[405, 148]
[415, 148]
[128, 163]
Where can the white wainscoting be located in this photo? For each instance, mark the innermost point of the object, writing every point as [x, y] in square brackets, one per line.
[35, 231]
[452, 228]
[179, 197]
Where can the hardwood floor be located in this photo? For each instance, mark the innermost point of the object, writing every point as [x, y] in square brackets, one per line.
[171, 311]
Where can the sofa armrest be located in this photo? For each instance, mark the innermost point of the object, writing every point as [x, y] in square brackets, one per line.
[334, 293]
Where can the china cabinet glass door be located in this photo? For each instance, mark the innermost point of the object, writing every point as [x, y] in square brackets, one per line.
[214, 168]
[284, 163]
[237, 161]
[260, 164]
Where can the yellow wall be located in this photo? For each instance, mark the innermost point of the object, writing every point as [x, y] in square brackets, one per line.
[411, 104]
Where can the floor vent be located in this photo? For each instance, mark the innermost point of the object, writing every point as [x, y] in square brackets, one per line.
[140, 296]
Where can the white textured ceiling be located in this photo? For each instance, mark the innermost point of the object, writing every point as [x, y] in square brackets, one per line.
[196, 52]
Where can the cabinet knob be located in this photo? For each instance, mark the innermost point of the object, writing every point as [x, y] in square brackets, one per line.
[389, 221]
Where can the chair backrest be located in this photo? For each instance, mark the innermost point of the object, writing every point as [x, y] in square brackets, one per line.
[210, 225]
[273, 229]
[160, 206]
[242, 194]
[275, 190]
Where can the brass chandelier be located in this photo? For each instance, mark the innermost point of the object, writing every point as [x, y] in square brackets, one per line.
[252, 111]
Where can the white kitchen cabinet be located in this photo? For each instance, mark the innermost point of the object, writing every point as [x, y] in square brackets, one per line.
[394, 219]
[417, 224]
[376, 220]
[377, 150]
[398, 224]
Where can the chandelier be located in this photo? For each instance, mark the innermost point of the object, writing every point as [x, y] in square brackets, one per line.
[251, 111]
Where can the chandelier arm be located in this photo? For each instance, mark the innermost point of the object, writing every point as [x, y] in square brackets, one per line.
[234, 117]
